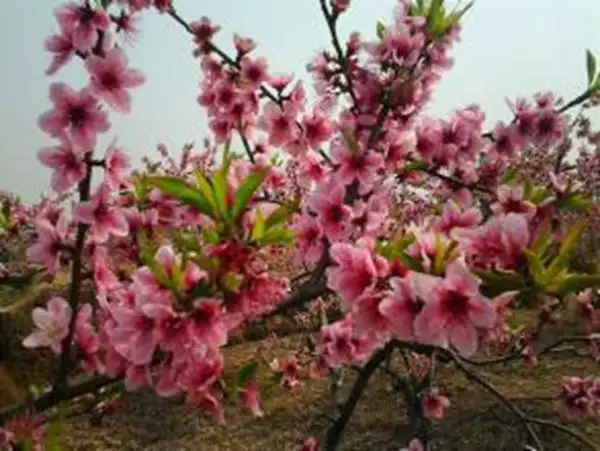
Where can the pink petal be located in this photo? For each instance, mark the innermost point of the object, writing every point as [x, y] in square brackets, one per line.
[464, 337]
[430, 326]
[52, 157]
[460, 278]
[142, 349]
[41, 317]
[134, 78]
[52, 122]
[35, 339]
[482, 313]
[85, 212]
[423, 284]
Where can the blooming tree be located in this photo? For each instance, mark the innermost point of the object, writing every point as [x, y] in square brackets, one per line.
[428, 234]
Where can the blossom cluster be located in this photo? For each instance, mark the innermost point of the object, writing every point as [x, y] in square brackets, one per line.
[407, 219]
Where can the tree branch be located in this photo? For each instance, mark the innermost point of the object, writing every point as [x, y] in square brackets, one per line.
[334, 433]
[528, 421]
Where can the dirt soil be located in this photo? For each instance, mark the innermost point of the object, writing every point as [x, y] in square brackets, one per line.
[474, 420]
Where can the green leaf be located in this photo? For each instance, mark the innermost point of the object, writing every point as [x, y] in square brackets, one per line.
[381, 29]
[211, 236]
[187, 194]
[409, 261]
[206, 188]
[500, 282]
[277, 235]
[591, 65]
[575, 283]
[543, 242]
[439, 260]
[227, 152]
[455, 17]
[246, 191]
[245, 374]
[538, 195]
[510, 177]
[282, 214]
[258, 229]
[571, 239]
[536, 268]
[220, 188]
[232, 282]
[575, 202]
[436, 18]
[414, 166]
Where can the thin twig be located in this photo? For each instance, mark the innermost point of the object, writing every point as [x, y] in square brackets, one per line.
[527, 420]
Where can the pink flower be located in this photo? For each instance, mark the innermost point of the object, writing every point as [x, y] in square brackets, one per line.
[50, 240]
[85, 23]
[203, 30]
[317, 129]
[254, 71]
[62, 48]
[497, 243]
[333, 214]
[104, 278]
[309, 444]
[133, 335]
[339, 6]
[75, 112]
[207, 325]
[199, 377]
[338, 345]
[401, 307]
[512, 200]
[435, 405]
[505, 140]
[69, 166]
[453, 310]
[574, 402]
[289, 368]
[414, 445]
[27, 427]
[357, 165]
[116, 166]
[278, 123]
[355, 272]
[310, 239]
[368, 319]
[242, 44]
[251, 399]
[52, 325]
[110, 79]
[103, 218]
[453, 217]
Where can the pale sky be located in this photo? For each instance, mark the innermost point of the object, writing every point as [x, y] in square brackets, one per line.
[509, 48]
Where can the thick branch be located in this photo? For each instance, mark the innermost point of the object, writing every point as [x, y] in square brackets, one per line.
[53, 397]
[66, 362]
[334, 433]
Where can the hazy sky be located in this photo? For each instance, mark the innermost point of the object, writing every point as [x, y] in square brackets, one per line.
[508, 48]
